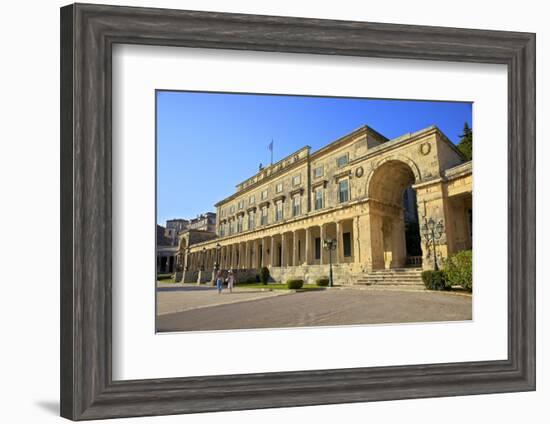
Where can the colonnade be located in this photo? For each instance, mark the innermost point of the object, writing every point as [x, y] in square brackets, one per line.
[303, 246]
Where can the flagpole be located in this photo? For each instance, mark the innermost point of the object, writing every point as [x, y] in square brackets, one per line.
[271, 151]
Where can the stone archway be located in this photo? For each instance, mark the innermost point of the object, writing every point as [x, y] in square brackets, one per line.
[389, 186]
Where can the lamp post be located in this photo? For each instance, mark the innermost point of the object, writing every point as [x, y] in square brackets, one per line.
[432, 232]
[330, 245]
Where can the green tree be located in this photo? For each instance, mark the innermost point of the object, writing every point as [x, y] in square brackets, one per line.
[465, 143]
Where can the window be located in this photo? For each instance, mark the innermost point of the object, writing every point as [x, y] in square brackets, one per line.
[241, 204]
[279, 211]
[264, 194]
[252, 200]
[251, 220]
[296, 180]
[263, 219]
[346, 239]
[318, 172]
[319, 199]
[222, 230]
[232, 209]
[343, 191]
[240, 224]
[296, 206]
[279, 188]
[317, 248]
[342, 160]
[230, 224]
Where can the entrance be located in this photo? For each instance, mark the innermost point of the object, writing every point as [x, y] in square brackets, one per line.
[395, 239]
[412, 228]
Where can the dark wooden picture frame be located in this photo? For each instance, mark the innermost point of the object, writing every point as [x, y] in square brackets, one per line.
[88, 33]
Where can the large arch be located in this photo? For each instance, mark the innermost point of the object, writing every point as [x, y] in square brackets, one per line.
[398, 162]
[393, 216]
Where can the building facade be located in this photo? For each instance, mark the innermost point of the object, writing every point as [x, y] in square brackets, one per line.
[369, 194]
[203, 222]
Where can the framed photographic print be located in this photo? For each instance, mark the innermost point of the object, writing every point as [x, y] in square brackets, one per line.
[266, 211]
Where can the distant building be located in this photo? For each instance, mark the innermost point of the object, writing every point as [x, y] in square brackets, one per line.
[201, 228]
[175, 227]
[204, 222]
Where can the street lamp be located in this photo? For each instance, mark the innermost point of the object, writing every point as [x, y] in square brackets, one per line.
[432, 232]
[330, 245]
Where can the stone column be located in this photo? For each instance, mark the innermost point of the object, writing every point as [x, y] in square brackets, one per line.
[339, 257]
[323, 258]
[307, 253]
[284, 254]
[258, 253]
[399, 254]
[255, 247]
[246, 262]
[267, 248]
[264, 252]
[355, 234]
[241, 257]
[295, 248]
[272, 251]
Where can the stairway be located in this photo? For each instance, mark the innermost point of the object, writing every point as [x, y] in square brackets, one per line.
[398, 278]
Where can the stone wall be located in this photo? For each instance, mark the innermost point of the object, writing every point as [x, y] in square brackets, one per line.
[342, 274]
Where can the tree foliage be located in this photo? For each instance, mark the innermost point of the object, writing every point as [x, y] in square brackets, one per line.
[465, 143]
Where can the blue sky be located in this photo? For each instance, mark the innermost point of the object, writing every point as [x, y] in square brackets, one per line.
[207, 143]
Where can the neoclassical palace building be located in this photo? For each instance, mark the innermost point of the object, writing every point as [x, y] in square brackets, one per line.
[369, 194]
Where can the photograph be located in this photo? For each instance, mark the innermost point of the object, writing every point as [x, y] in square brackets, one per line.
[288, 211]
[275, 212]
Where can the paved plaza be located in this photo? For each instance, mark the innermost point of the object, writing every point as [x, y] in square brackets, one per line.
[200, 308]
[173, 298]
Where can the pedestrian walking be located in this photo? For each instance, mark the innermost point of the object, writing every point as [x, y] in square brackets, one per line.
[231, 281]
[219, 281]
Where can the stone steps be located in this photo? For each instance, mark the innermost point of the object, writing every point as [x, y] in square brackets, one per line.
[398, 277]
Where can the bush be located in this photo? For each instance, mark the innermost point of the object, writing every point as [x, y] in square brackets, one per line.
[322, 282]
[458, 269]
[435, 280]
[295, 284]
[264, 275]
[164, 276]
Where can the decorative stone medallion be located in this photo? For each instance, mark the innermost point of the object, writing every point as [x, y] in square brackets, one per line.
[359, 172]
[425, 148]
